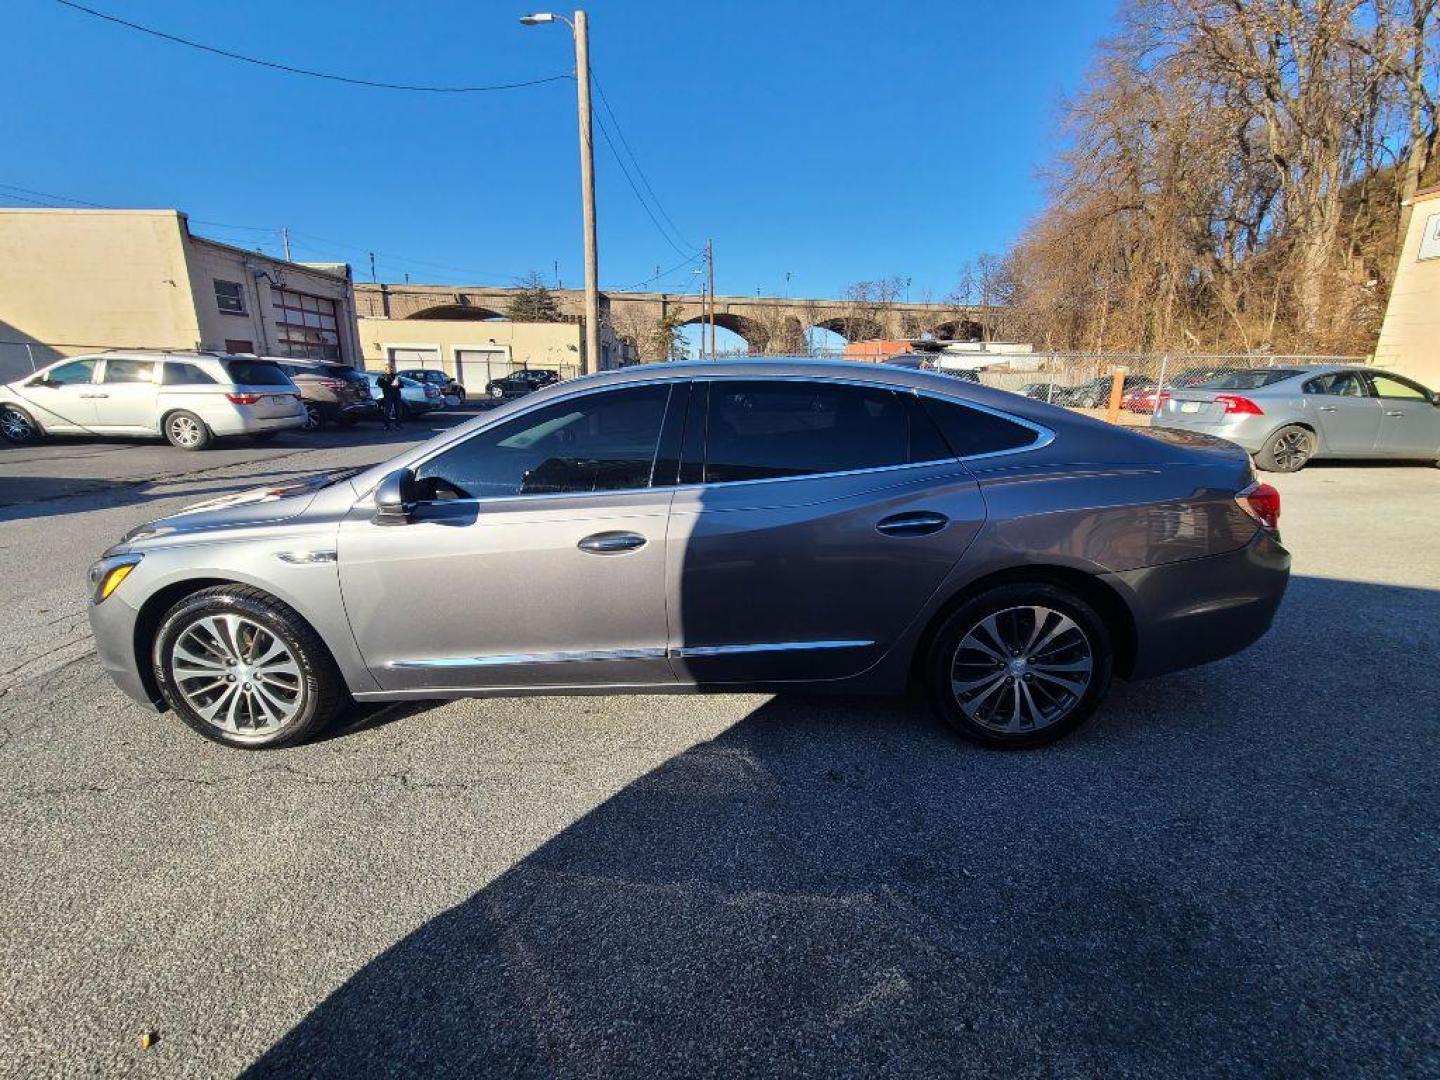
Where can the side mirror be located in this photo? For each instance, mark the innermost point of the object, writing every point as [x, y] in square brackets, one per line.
[42, 380]
[395, 498]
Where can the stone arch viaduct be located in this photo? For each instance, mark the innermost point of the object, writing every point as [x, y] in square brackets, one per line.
[768, 324]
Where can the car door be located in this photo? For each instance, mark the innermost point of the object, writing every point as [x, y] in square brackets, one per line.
[535, 554]
[1346, 414]
[1410, 420]
[126, 394]
[818, 519]
[62, 398]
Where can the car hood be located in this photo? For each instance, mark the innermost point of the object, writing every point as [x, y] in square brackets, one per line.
[242, 509]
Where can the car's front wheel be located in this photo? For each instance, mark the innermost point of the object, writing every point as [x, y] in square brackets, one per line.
[1019, 666]
[1287, 450]
[17, 427]
[497, 392]
[244, 669]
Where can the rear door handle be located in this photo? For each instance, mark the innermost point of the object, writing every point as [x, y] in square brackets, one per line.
[1394, 412]
[917, 523]
[1328, 408]
[94, 395]
[611, 543]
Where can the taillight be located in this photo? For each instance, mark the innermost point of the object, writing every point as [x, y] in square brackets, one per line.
[242, 399]
[1261, 502]
[1234, 403]
[333, 384]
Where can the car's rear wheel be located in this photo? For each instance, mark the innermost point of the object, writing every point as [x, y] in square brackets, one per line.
[497, 392]
[314, 418]
[1019, 666]
[17, 427]
[459, 392]
[244, 669]
[187, 431]
[1287, 450]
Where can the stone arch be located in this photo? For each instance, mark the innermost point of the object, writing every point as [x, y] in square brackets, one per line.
[959, 330]
[852, 327]
[468, 312]
[756, 336]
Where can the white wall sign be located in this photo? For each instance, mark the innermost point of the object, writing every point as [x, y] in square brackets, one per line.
[1430, 238]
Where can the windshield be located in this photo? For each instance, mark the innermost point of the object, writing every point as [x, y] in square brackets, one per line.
[1251, 379]
[256, 373]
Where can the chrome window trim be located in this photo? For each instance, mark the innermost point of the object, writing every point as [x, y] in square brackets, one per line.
[600, 655]
[1043, 436]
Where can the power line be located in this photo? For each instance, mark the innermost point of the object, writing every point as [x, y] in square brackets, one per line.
[631, 181]
[620, 131]
[275, 65]
[52, 197]
[666, 273]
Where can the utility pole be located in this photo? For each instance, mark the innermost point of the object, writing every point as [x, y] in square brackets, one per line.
[373, 278]
[591, 360]
[710, 269]
[580, 31]
[285, 242]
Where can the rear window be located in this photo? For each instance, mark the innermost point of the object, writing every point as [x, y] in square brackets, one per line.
[255, 372]
[1250, 379]
[176, 373]
[974, 431]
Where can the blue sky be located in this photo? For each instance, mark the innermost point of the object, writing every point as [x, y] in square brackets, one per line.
[834, 141]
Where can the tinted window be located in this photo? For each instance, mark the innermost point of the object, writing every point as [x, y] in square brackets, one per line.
[1388, 386]
[256, 373]
[761, 430]
[1340, 384]
[1251, 379]
[599, 442]
[974, 431]
[129, 371]
[77, 371]
[175, 373]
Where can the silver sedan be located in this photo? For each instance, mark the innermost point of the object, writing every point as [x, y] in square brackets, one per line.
[1286, 416]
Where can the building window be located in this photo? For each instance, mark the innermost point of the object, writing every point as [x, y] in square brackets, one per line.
[306, 326]
[230, 297]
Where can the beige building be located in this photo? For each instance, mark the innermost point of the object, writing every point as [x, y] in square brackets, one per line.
[1410, 335]
[472, 350]
[78, 281]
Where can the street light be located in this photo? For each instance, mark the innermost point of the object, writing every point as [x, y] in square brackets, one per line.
[580, 31]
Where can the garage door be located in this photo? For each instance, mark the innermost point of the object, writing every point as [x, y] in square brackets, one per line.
[479, 366]
[403, 359]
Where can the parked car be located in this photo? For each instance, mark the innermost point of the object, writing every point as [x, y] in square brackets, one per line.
[332, 393]
[1288, 416]
[447, 385]
[416, 398]
[519, 383]
[716, 526]
[189, 398]
[1095, 393]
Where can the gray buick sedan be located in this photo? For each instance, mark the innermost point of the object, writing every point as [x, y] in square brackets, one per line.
[710, 527]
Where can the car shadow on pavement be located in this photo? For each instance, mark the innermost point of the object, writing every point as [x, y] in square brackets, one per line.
[1226, 874]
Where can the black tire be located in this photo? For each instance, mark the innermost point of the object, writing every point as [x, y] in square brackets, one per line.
[1287, 450]
[322, 691]
[187, 431]
[1015, 683]
[18, 426]
[460, 393]
[314, 417]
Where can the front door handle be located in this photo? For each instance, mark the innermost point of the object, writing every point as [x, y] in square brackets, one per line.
[94, 395]
[611, 543]
[1394, 412]
[1328, 408]
[918, 523]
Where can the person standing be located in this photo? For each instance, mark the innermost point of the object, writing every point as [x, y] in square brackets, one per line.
[389, 384]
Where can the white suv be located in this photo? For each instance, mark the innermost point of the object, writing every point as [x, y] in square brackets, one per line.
[188, 397]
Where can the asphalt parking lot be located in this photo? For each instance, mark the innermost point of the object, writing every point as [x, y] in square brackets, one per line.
[1233, 871]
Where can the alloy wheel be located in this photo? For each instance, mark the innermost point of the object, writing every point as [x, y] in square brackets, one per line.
[238, 675]
[1022, 669]
[1291, 450]
[312, 418]
[184, 431]
[16, 426]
